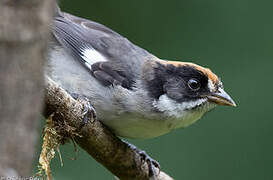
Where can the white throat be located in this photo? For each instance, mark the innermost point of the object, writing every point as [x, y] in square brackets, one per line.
[172, 108]
[182, 114]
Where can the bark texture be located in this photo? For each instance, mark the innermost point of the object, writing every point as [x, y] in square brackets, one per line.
[24, 30]
[95, 138]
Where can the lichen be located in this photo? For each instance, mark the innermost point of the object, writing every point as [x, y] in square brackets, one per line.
[55, 133]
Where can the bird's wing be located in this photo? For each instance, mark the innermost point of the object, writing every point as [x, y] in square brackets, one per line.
[111, 58]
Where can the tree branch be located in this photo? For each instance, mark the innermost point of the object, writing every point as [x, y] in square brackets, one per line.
[95, 138]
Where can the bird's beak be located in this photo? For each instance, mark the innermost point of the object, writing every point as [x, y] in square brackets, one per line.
[221, 98]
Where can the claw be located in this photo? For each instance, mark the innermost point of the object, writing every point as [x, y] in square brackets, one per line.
[88, 110]
[146, 158]
[151, 162]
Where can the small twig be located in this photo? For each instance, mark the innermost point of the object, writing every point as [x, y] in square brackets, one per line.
[60, 156]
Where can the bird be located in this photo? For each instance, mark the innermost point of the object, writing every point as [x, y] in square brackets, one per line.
[134, 93]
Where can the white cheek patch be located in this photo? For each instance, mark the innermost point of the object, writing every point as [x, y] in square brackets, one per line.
[173, 108]
[91, 56]
[182, 114]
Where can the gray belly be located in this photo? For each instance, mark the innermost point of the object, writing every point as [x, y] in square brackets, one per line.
[136, 126]
[144, 126]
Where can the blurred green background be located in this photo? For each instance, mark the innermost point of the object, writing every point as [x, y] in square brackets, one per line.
[233, 38]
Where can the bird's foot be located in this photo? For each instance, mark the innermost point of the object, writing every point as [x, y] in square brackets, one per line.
[151, 162]
[89, 111]
[146, 158]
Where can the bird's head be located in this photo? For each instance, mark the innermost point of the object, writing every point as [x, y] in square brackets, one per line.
[181, 88]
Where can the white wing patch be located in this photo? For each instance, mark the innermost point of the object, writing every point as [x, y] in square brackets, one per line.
[91, 56]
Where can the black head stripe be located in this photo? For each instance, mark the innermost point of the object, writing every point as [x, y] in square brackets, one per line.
[172, 80]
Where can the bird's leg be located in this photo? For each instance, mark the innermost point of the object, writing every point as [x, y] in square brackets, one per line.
[146, 158]
[88, 112]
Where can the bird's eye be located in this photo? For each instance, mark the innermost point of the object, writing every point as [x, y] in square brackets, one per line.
[194, 84]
